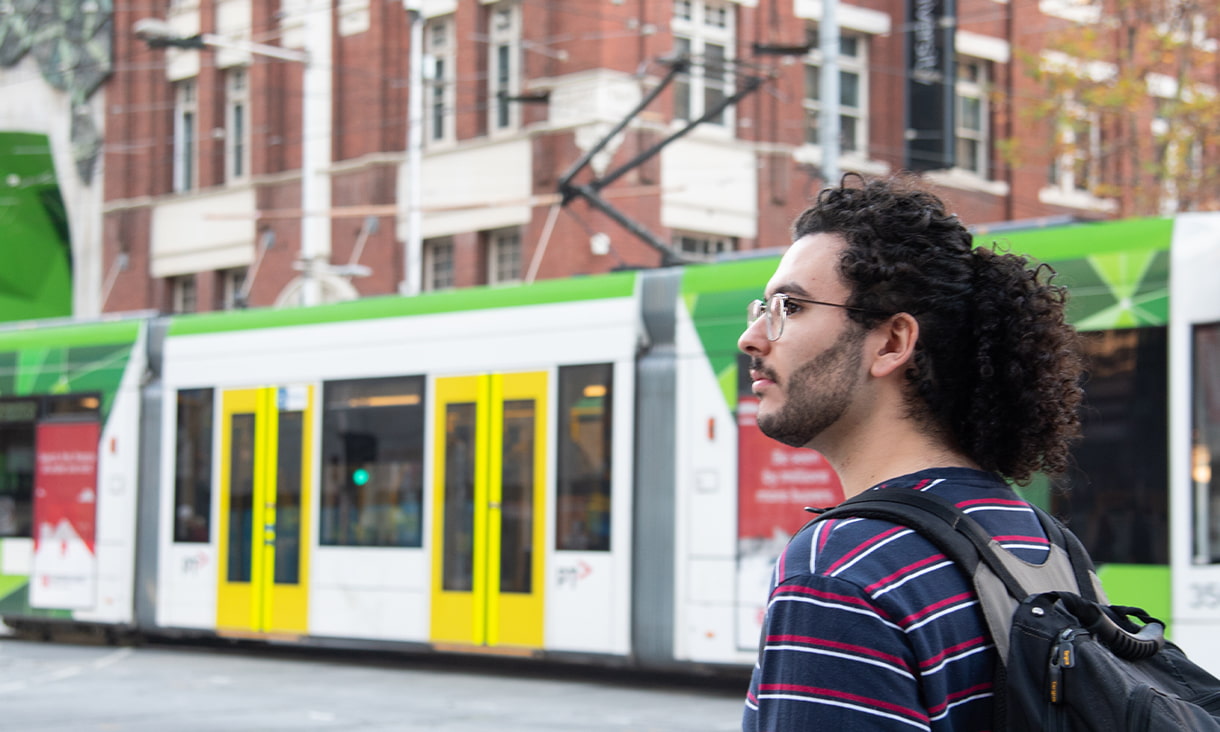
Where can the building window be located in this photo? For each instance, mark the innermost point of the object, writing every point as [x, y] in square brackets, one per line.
[439, 89]
[438, 264]
[704, 32]
[373, 456]
[504, 256]
[585, 435]
[703, 244]
[973, 150]
[232, 282]
[237, 124]
[853, 92]
[1074, 167]
[504, 66]
[193, 467]
[186, 134]
[182, 294]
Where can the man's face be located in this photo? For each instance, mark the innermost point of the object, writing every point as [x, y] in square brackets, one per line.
[806, 380]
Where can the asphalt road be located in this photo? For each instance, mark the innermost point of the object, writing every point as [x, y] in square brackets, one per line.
[79, 687]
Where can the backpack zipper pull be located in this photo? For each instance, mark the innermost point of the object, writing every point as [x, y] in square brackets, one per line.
[1063, 657]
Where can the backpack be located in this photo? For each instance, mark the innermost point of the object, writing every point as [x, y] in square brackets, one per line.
[1067, 660]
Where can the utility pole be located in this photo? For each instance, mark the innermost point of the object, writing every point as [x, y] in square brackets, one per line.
[412, 275]
[316, 134]
[828, 125]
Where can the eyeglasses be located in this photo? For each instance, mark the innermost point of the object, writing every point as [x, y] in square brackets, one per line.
[777, 309]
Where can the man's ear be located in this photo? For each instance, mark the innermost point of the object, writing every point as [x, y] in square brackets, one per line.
[894, 341]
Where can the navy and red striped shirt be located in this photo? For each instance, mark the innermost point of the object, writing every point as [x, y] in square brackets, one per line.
[870, 627]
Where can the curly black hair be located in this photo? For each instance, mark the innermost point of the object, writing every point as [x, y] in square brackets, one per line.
[997, 369]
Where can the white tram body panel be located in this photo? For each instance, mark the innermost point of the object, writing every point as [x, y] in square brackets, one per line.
[1195, 539]
[386, 593]
[707, 593]
[117, 486]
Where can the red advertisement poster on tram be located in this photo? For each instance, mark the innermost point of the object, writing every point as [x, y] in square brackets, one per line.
[776, 482]
[65, 515]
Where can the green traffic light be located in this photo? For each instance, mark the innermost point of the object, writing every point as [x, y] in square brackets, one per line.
[360, 477]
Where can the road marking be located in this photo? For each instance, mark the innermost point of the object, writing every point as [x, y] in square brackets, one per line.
[66, 672]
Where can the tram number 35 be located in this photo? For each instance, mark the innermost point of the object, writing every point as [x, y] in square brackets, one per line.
[571, 576]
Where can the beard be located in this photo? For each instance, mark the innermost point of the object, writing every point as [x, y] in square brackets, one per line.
[817, 393]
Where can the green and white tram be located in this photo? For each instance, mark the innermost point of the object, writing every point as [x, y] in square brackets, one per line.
[568, 469]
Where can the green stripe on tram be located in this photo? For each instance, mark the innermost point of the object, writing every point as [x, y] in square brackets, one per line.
[716, 297]
[1117, 272]
[1076, 241]
[544, 292]
[69, 336]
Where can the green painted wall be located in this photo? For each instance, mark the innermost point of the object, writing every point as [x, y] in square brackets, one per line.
[36, 279]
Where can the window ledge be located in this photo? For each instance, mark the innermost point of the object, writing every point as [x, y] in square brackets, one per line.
[1055, 196]
[967, 180]
[812, 155]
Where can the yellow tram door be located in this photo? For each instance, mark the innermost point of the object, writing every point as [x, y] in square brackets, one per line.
[264, 510]
[487, 511]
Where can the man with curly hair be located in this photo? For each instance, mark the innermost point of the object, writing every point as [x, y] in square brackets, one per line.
[909, 358]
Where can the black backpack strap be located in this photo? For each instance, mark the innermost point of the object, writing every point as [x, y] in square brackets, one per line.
[1082, 563]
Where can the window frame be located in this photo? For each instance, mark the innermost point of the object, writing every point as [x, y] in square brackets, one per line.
[183, 293]
[855, 65]
[438, 252]
[440, 47]
[237, 123]
[232, 281]
[186, 135]
[502, 245]
[703, 244]
[698, 25]
[975, 89]
[504, 48]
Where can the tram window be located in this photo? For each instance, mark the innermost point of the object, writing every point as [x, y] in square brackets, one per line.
[583, 502]
[18, 426]
[17, 418]
[60, 406]
[1205, 442]
[372, 452]
[193, 466]
[1117, 497]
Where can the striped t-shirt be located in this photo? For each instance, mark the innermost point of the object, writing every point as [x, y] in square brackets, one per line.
[870, 627]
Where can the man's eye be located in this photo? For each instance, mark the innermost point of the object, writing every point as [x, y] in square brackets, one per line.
[791, 307]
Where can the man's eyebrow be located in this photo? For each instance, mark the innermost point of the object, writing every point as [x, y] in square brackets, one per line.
[790, 288]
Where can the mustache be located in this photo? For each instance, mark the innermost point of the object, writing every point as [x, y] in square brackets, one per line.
[756, 365]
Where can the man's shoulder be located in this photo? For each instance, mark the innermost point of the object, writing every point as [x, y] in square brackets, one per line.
[866, 550]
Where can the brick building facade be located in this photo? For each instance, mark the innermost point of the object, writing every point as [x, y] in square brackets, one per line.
[206, 206]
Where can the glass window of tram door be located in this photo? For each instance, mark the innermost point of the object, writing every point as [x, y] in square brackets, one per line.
[1117, 497]
[372, 462]
[585, 430]
[1205, 442]
[18, 421]
[193, 466]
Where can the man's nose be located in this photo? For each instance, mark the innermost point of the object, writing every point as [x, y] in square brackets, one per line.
[754, 340]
